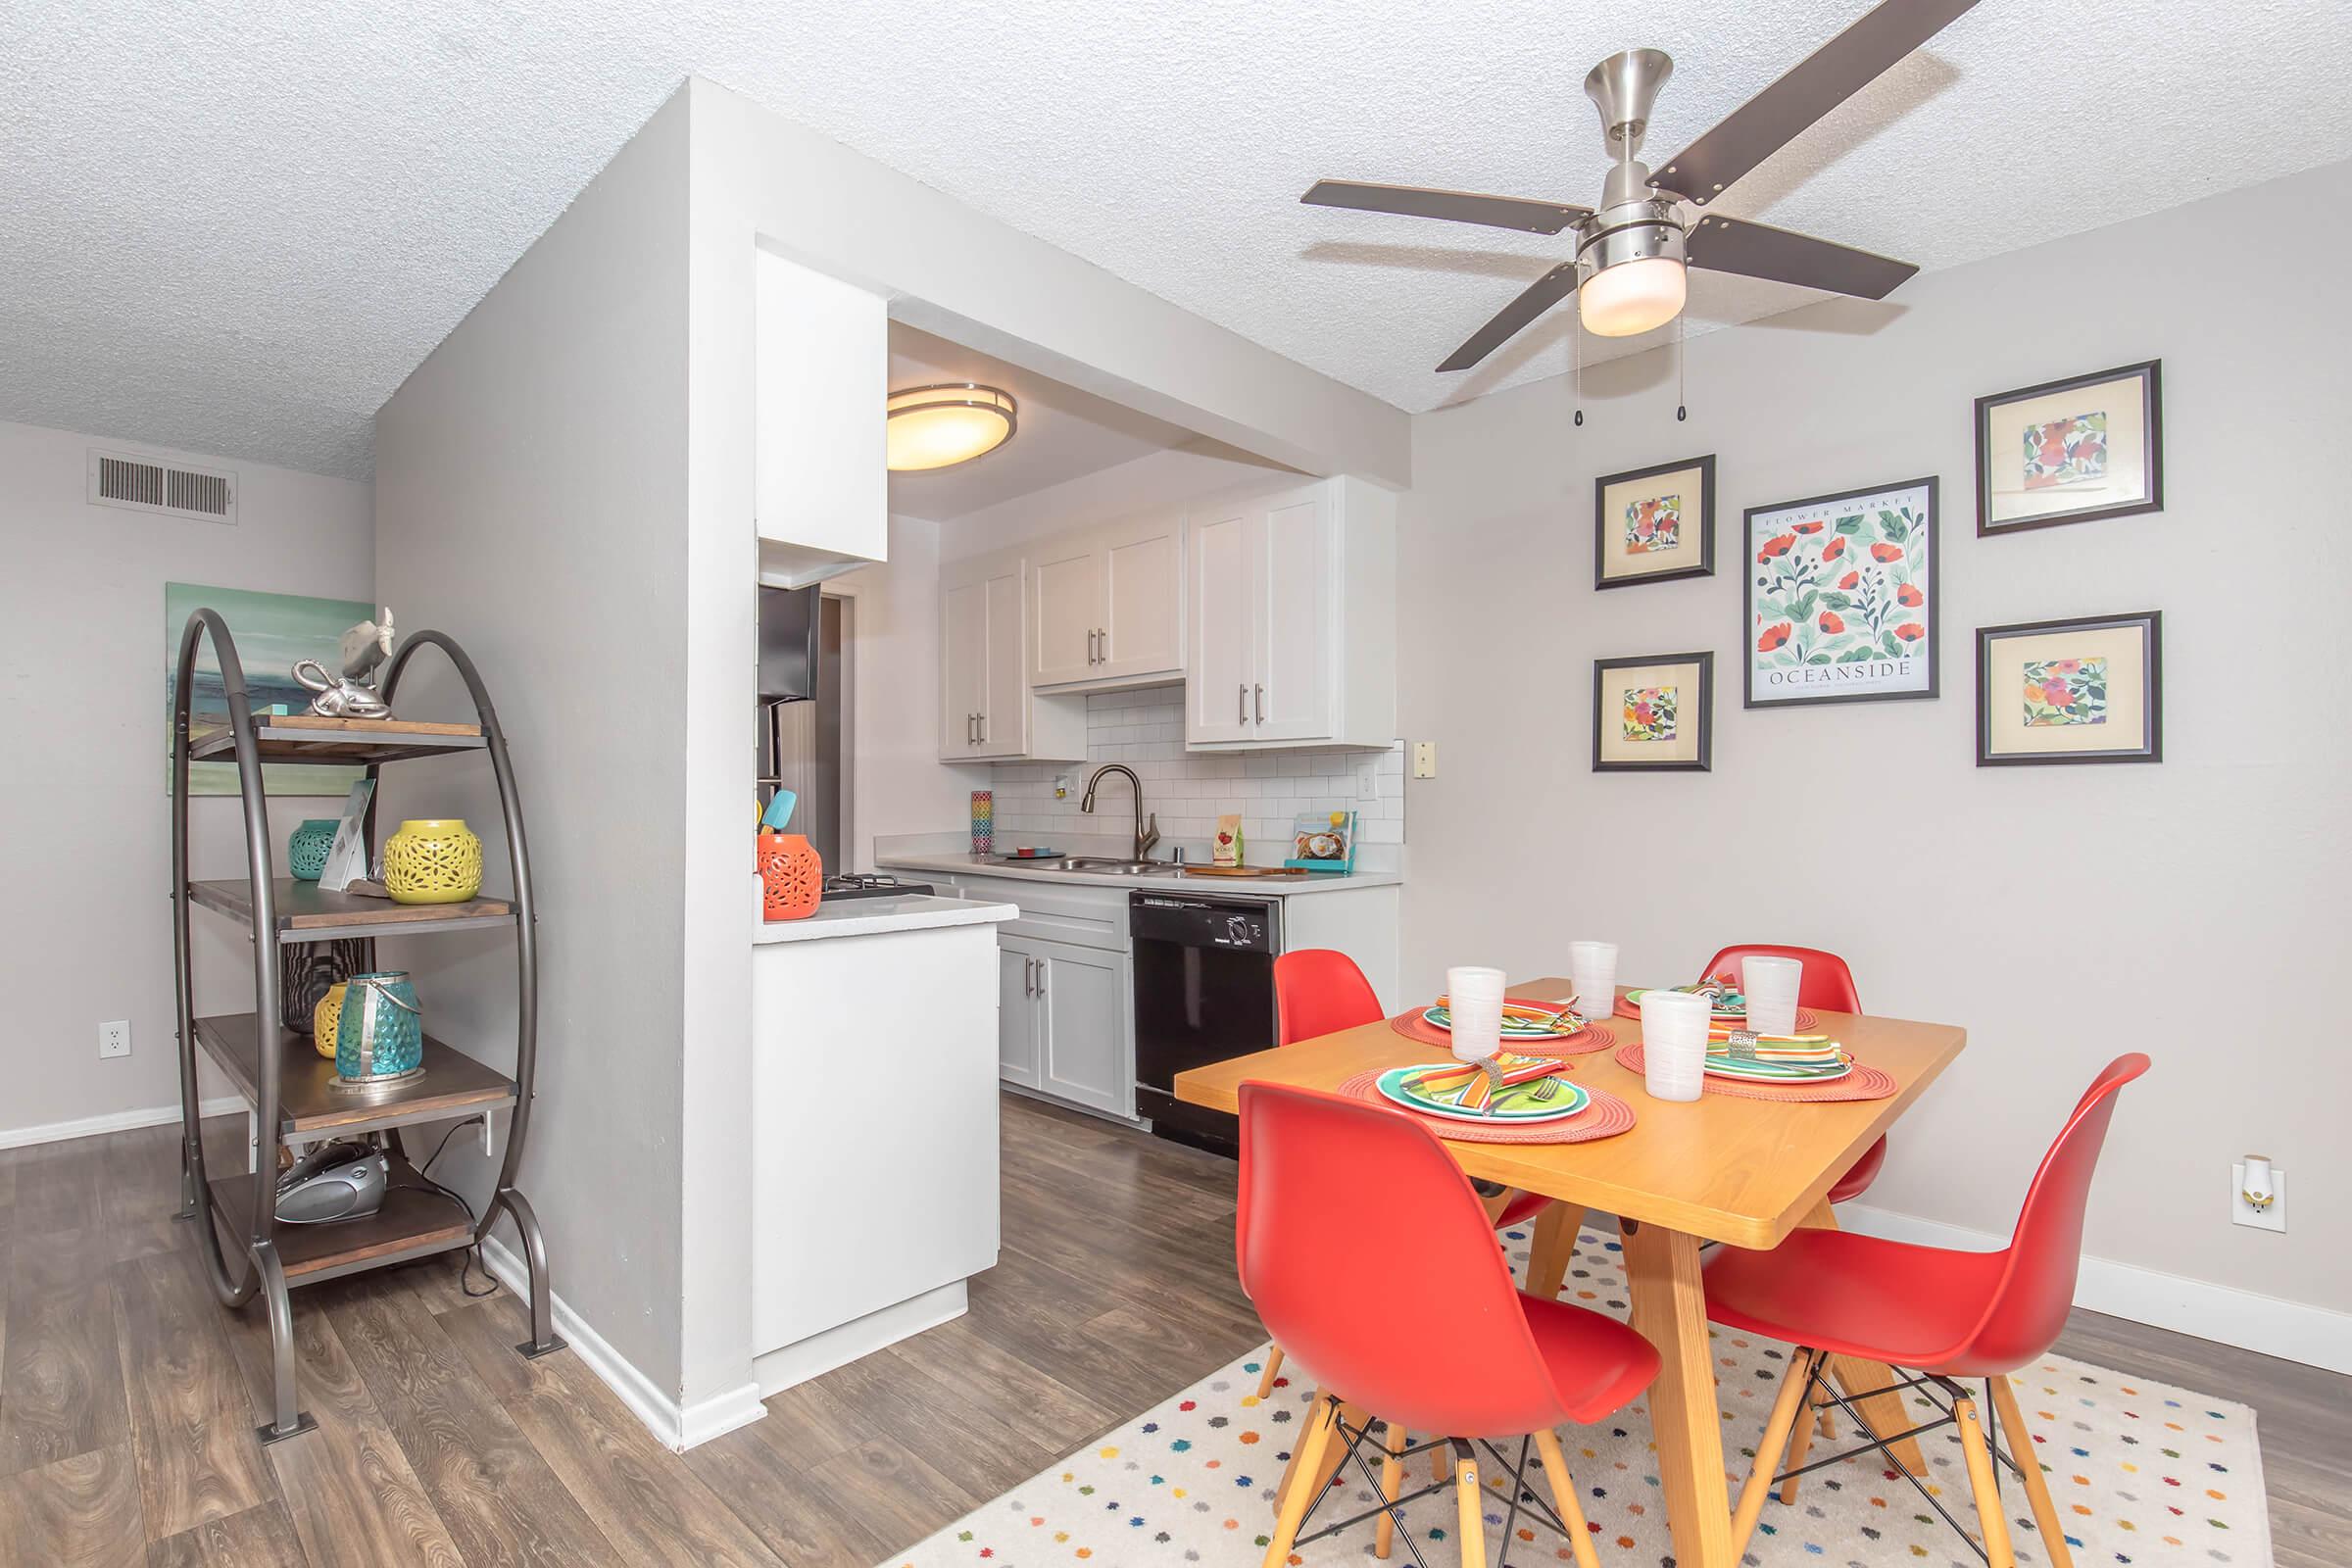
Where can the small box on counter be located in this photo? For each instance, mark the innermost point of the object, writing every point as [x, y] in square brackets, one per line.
[1322, 841]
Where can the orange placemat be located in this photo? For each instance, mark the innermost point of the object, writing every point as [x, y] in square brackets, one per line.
[1605, 1117]
[1865, 1082]
[1415, 1025]
[1807, 1021]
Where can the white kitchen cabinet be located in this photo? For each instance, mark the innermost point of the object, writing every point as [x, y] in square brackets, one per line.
[1293, 599]
[1062, 1022]
[1016, 1015]
[987, 713]
[1109, 603]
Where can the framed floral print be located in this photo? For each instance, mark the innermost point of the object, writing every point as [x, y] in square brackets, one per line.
[1841, 596]
[2071, 450]
[1654, 713]
[1654, 524]
[2070, 691]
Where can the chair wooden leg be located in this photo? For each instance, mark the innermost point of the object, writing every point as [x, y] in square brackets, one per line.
[1552, 1250]
[1301, 1491]
[1470, 1508]
[1786, 1410]
[2037, 1488]
[1440, 1463]
[1829, 1420]
[1563, 1499]
[1800, 1443]
[1265, 1379]
[1992, 1518]
[1392, 1482]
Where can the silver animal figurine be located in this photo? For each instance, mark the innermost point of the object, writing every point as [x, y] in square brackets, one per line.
[352, 694]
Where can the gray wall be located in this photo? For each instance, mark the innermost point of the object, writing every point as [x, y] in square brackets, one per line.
[86, 932]
[531, 499]
[2023, 902]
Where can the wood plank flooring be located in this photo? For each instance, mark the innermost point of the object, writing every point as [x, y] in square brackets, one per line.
[129, 1398]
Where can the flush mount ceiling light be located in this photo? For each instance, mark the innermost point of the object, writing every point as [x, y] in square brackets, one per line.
[940, 427]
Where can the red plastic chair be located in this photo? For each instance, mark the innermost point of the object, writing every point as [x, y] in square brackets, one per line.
[1443, 1344]
[1827, 983]
[1318, 991]
[1945, 1314]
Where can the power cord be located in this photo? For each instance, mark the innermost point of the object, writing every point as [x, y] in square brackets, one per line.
[473, 1252]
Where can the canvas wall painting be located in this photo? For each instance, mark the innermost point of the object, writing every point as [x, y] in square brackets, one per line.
[272, 632]
[2087, 690]
[1653, 712]
[1654, 524]
[1841, 596]
[2071, 450]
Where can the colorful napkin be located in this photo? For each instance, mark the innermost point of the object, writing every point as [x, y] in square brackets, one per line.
[1526, 1021]
[1466, 1085]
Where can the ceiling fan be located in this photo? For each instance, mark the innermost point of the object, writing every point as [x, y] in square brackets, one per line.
[1632, 251]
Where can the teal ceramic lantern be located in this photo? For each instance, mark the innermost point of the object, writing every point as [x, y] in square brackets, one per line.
[379, 1037]
[306, 850]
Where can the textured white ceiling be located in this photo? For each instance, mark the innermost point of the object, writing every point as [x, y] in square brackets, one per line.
[1059, 433]
[235, 226]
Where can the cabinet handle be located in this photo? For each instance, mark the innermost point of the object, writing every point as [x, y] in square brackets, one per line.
[1261, 704]
[1245, 713]
[984, 729]
[1041, 975]
[971, 735]
[1028, 977]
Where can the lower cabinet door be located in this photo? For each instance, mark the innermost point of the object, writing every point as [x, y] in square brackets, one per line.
[1016, 1015]
[1087, 1056]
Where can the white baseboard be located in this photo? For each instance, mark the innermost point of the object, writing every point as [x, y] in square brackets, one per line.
[2294, 1331]
[116, 1121]
[675, 1426]
[839, 1346]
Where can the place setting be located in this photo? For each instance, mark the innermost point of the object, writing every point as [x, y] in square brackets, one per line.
[1507, 1080]
[1742, 1036]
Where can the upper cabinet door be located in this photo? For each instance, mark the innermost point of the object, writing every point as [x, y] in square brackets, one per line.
[1291, 694]
[963, 669]
[1005, 692]
[1143, 599]
[1066, 584]
[1217, 693]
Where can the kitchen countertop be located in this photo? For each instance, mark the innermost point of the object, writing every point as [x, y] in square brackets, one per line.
[860, 917]
[1254, 885]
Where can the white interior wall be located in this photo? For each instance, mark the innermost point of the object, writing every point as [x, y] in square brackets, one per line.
[2062, 914]
[1154, 480]
[88, 936]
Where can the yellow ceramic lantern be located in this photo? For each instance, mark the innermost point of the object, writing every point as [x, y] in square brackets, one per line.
[433, 861]
[324, 1018]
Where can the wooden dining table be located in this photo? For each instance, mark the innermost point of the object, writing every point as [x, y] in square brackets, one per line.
[1721, 1168]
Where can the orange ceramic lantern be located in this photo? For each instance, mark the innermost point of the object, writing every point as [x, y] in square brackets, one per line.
[792, 877]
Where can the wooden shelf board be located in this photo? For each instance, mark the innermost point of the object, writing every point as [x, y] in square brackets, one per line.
[414, 1221]
[308, 738]
[307, 911]
[454, 1084]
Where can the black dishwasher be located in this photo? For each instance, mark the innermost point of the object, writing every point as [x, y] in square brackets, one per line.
[1203, 993]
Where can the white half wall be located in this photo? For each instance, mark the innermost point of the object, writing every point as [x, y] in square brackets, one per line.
[88, 936]
[2062, 914]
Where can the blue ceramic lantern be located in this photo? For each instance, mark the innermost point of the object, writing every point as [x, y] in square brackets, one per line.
[380, 1033]
[306, 850]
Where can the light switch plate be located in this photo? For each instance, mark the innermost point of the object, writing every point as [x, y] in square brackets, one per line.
[1425, 758]
[2241, 1212]
[1367, 782]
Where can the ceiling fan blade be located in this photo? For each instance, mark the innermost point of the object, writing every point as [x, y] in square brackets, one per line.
[1758, 250]
[1823, 79]
[1460, 207]
[1537, 297]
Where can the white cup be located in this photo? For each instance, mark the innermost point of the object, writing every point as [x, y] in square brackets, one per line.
[1593, 966]
[1474, 997]
[1771, 986]
[1674, 1043]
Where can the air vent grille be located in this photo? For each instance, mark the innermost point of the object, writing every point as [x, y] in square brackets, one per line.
[142, 484]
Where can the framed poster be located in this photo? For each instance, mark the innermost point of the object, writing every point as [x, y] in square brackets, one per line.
[2071, 450]
[272, 632]
[1654, 524]
[2089, 690]
[1841, 596]
[1655, 712]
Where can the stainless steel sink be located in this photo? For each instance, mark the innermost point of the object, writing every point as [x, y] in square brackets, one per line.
[1109, 867]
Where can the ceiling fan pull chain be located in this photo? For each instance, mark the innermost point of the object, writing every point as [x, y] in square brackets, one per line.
[1682, 408]
[1577, 336]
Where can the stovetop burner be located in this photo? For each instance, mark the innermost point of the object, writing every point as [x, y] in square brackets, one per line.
[872, 885]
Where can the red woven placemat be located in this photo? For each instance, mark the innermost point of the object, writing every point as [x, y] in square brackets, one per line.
[1865, 1082]
[1807, 1021]
[1605, 1117]
[1415, 1025]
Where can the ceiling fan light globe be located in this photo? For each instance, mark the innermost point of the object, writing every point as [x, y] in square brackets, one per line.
[1633, 297]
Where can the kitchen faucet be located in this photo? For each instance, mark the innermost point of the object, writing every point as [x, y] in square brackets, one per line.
[1145, 835]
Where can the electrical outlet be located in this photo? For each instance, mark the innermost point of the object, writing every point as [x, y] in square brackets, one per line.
[114, 1039]
[1425, 758]
[2241, 1212]
[1367, 782]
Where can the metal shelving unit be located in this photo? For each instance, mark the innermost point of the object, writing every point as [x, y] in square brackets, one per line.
[293, 1091]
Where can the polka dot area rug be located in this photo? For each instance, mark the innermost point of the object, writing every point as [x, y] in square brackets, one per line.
[2144, 1476]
